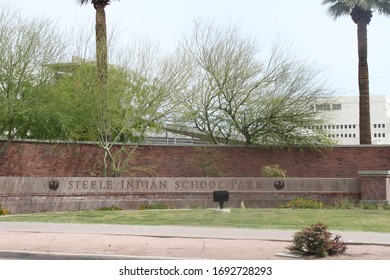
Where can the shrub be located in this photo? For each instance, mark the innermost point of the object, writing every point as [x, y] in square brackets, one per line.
[347, 203]
[3, 211]
[315, 240]
[153, 207]
[344, 203]
[373, 205]
[110, 208]
[304, 203]
[273, 171]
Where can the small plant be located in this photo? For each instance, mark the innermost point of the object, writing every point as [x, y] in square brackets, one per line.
[110, 208]
[153, 207]
[344, 203]
[273, 171]
[304, 203]
[348, 203]
[3, 211]
[316, 240]
[373, 206]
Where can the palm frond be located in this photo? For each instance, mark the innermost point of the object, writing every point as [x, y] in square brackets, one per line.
[324, 2]
[82, 2]
[383, 7]
[338, 8]
[105, 2]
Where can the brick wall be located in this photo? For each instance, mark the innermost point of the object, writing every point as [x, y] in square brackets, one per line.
[79, 160]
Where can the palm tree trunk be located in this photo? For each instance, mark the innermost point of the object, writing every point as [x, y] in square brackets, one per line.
[101, 43]
[102, 66]
[102, 72]
[364, 94]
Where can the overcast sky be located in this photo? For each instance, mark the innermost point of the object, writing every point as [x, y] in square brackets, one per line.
[332, 45]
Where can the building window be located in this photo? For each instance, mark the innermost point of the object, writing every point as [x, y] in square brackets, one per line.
[374, 134]
[323, 107]
[336, 106]
[374, 125]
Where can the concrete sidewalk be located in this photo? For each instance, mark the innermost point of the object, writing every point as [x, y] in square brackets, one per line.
[187, 232]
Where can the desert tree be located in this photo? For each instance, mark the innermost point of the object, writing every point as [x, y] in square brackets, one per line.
[235, 95]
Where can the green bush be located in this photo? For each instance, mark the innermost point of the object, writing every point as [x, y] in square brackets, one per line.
[110, 208]
[273, 171]
[341, 203]
[153, 207]
[3, 211]
[315, 240]
[303, 203]
[373, 205]
[344, 203]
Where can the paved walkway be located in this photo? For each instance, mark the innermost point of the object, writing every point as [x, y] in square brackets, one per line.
[180, 237]
[187, 232]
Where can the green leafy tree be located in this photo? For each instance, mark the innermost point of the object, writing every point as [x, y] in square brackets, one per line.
[139, 100]
[73, 106]
[361, 12]
[26, 45]
[131, 111]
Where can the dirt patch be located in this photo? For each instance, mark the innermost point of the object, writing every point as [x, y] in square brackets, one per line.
[186, 248]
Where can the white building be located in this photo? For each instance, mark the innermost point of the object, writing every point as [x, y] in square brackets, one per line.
[342, 117]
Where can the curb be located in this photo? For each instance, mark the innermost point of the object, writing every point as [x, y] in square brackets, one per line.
[31, 255]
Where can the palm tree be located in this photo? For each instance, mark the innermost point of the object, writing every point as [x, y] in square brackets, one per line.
[101, 55]
[102, 70]
[101, 36]
[361, 12]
